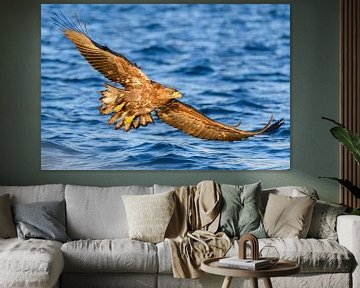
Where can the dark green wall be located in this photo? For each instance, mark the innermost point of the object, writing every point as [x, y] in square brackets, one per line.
[314, 93]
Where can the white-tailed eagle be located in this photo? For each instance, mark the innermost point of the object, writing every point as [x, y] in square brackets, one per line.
[134, 104]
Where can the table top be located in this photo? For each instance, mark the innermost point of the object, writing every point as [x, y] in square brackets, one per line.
[281, 268]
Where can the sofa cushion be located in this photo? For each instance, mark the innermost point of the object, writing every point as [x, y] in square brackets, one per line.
[240, 212]
[116, 255]
[287, 216]
[323, 222]
[313, 255]
[36, 193]
[43, 220]
[149, 215]
[30, 263]
[7, 226]
[98, 213]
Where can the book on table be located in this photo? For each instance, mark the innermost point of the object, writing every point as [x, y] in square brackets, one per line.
[236, 262]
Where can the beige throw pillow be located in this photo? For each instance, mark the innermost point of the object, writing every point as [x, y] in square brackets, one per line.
[7, 226]
[288, 217]
[148, 215]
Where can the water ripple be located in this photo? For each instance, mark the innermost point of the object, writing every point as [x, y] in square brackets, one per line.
[231, 62]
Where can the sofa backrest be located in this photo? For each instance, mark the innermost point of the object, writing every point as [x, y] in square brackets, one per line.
[36, 193]
[98, 212]
[163, 188]
[293, 191]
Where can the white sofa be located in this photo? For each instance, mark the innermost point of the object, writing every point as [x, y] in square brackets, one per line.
[101, 255]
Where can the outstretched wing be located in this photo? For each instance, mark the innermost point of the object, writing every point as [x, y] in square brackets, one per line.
[187, 119]
[111, 64]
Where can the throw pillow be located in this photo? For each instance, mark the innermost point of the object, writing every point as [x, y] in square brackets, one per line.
[240, 213]
[323, 223]
[288, 217]
[43, 220]
[149, 215]
[7, 227]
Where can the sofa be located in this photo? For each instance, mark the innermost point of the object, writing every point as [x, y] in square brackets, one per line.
[100, 253]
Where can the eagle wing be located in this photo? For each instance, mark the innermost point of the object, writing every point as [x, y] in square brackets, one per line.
[111, 64]
[187, 119]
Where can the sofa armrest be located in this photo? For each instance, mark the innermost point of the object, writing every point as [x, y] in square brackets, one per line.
[348, 230]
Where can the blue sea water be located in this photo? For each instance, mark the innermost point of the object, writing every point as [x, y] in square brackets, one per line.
[231, 62]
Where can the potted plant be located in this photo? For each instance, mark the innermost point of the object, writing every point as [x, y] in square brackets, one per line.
[351, 141]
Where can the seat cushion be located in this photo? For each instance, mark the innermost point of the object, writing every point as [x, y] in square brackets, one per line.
[98, 213]
[313, 255]
[30, 263]
[117, 255]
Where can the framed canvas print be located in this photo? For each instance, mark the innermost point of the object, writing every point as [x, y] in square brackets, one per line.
[165, 86]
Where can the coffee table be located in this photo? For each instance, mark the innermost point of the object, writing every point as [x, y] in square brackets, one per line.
[281, 268]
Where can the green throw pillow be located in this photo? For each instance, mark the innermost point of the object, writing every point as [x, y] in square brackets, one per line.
[240, 213]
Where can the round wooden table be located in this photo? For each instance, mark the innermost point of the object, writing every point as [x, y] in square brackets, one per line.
[281, 268]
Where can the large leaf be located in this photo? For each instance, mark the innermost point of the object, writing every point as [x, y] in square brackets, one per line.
[349, 139]
[348, 185]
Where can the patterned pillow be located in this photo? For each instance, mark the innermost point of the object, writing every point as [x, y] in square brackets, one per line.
[149, 215]
[240, 213]
[323, 223]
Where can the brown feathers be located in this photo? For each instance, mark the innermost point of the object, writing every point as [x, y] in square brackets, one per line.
[131, 106]
[187, 119]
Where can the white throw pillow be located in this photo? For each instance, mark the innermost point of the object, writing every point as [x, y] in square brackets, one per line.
[149, 215]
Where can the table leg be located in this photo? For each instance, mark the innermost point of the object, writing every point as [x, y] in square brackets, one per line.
[227, 282]
[267, 283]
[254, 282]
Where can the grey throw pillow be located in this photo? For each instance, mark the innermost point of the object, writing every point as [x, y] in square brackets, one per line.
[240, 213]
[7, 226]
[44, 220]
[323, 222]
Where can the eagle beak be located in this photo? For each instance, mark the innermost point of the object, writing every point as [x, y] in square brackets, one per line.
[176, 94]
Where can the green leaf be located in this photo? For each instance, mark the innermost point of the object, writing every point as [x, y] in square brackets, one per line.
[355, 211]
[349, 139]
[347, 184]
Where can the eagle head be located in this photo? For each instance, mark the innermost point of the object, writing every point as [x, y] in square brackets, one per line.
[176, 94]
